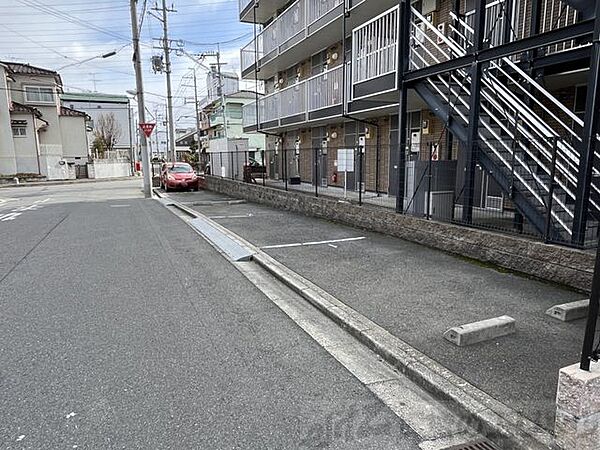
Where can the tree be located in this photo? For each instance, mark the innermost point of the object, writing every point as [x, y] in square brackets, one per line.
[107, 133]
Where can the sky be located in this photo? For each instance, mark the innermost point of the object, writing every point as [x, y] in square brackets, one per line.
[60, 34]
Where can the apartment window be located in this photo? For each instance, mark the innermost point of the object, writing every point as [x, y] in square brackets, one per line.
[291, 75]
[39, 94]
[318, 62]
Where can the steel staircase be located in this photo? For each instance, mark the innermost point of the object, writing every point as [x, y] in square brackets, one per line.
[535, 163]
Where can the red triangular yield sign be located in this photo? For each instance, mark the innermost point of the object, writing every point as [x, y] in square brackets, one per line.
[147, 128]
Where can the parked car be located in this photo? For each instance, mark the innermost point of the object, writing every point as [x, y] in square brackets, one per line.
[179, 176]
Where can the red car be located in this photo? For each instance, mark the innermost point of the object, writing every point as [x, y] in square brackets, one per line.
[179, 176]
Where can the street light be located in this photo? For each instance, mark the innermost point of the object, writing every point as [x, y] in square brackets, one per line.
[103, 56]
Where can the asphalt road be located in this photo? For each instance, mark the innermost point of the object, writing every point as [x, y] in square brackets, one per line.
[121, 328]
[417, 293]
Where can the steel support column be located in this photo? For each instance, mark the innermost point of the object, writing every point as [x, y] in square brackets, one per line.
[403, 64]
[474, 108]
[589, 141]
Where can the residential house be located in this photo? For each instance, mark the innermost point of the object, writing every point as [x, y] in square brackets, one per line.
[97, 105]
[37, 134]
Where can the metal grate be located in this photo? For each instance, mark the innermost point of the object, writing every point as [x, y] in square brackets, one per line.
[475, 445]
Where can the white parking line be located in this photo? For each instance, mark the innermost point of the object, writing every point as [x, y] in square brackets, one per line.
[302, 244]
[241, 216]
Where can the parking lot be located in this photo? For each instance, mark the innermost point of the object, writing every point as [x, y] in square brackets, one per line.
[417, 293]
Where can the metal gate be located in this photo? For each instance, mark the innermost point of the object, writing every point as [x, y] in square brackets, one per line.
[81, 171]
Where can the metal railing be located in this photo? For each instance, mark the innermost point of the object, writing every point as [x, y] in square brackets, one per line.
[294, 21]
[318, 8]
[374, 46]
[249, 115]
[325, 89]
[508, 115]
[293, 100]
[317, 92]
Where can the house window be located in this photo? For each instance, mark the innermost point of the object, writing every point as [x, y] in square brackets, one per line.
[39, 94]
[19, 131]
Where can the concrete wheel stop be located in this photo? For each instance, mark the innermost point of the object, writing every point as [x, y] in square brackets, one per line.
[568, 312]
[481, 331]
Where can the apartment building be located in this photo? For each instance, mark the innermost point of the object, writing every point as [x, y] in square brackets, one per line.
[38, 135]
[473, 111]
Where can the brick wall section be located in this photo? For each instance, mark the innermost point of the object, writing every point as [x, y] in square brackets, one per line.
[562, 265]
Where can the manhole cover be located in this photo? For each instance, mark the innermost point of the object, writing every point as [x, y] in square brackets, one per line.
[475, 445]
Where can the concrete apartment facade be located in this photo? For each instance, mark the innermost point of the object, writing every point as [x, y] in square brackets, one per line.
[38, 136]
[403, 84]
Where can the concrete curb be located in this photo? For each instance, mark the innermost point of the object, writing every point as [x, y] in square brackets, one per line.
[488, 416]
[58, 183]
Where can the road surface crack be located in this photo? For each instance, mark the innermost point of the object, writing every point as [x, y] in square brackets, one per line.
[44, 237]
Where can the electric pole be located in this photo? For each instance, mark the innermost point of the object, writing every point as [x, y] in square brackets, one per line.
[139, 86]
[167, 69]
[197, 111]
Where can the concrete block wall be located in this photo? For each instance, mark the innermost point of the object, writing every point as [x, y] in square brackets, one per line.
[109, 169]
[570, 267]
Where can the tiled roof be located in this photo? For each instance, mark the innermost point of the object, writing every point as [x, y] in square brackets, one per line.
[64, 111]
[26, 69]
[18, 107]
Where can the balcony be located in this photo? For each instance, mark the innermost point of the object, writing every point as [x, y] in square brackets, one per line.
[313, 23]
[316, 98]
[264, 10]
[375, 56]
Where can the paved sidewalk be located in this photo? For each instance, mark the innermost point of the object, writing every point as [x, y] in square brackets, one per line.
[417, 293]
[61, 182]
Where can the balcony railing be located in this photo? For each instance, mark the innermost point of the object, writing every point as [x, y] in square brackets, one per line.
[374, 47]
[554, 14]
[320, 91]
[294, 21]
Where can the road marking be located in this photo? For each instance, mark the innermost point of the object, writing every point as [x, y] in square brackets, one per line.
[27, 208]
[302, 244]
[9, 216]
[120, 206]
[241, 216]
[333, 246]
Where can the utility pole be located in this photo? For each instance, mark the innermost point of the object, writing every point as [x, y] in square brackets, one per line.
[139, 86]
[197, 111]
[166, 49]
[222, 92]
